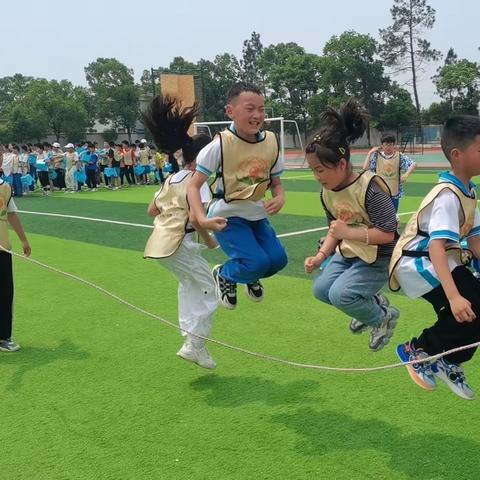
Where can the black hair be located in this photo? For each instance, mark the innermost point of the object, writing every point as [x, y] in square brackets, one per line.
[40, 145]
[388, 138]
[237, 88]
[126, 142]
[337, 130]
[459, 132]
[111, 144]
[47, 145]
[91, 145]
[169, 122]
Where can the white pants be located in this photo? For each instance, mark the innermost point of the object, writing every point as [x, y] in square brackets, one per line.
[70, 178]
[197, 301]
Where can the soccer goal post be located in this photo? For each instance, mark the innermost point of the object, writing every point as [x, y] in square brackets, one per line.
[275, 124]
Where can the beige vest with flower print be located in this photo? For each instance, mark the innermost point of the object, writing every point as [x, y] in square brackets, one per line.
[348, 205]
[5, 195]
[170, 225]
[466, 217]
[246, 166]
[389, 170]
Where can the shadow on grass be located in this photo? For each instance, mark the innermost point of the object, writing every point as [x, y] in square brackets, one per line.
[416, 455]
[231, 392]
[32, 358]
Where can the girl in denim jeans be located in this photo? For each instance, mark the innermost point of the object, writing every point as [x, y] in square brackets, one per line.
[362, 228]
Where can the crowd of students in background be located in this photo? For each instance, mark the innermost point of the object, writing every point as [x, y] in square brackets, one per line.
[83, 166]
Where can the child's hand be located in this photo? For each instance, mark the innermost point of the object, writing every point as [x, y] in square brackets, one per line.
[27, 249]
[210, 242]
[274, 205]
[216, 224]
[462, 309]
[339, 230]
[312, 263]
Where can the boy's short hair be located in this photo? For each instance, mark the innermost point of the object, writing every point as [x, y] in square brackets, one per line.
[240, 87]
[91, 145]
[459, 132]
[125, 142]
[388, 138]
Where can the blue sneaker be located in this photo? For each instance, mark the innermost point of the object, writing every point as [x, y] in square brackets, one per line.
[454, 376]
[420, 373]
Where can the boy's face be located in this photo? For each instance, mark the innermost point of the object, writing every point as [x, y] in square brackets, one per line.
[248, 112]
[388, 148]
[468, 158]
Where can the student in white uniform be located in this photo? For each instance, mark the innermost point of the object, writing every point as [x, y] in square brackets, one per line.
[429, 262]
[174, 239]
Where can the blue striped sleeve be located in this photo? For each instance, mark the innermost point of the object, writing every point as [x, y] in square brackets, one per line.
[203, 170]
[445, 235]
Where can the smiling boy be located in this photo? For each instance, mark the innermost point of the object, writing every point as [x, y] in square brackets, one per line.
[246, 163]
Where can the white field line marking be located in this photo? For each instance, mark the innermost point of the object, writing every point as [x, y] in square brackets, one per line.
[90, 219]
[307, 175]
[141, 225]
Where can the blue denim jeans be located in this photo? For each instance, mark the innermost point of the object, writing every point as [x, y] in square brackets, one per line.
[350, 284]
[254, 250]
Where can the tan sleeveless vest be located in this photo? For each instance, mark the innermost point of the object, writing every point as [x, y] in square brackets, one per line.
[144, 157]
[127, 158]
[170, 225]
[71, 159]
[348, 205]
[5, 195]
[466, 216]
[246, 166]
[389, 170]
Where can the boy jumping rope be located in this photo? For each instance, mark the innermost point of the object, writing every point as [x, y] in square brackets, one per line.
[245, 161]
[429, 262]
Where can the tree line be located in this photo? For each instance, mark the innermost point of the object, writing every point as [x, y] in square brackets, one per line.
[297, 84]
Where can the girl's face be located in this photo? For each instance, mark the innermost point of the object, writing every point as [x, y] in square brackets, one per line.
[331, 177]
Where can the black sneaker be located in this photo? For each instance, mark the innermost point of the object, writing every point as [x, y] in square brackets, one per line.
[254, 291]
[226, 291]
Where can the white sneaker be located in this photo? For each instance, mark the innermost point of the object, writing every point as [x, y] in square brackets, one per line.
[9, 346]
[454, 376]
[197, 354]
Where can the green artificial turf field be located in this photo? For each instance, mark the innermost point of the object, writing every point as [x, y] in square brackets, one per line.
[98, 393]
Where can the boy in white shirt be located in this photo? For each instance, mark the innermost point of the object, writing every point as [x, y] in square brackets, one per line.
[428, 262]
[246, 164]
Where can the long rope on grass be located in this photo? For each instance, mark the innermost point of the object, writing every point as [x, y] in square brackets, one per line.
[233, 347]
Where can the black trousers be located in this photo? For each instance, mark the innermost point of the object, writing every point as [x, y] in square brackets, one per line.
[447, 333]
[91, 178]
[6, 295]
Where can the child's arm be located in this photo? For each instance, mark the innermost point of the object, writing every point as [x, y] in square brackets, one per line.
[208, 239]
[152, 209]
[275, 204]
[409, 170]
[14, 221]
[327, 248]
[474, 246]
[370, 236]
[461, 307]
[366, 163]
[197, 212]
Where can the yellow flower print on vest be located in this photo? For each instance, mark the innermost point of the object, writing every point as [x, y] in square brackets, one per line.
[345, 212]
[253, 170]
[389, 170]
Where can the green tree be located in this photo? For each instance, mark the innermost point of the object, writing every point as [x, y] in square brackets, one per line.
[458, 83]
[351, 68]
[398, 110]
[249, 63]
[116, 95]
[436, 113]
[402, 44]
[49, 106]
[12, 89]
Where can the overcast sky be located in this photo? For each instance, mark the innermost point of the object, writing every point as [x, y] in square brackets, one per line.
[56, 39]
